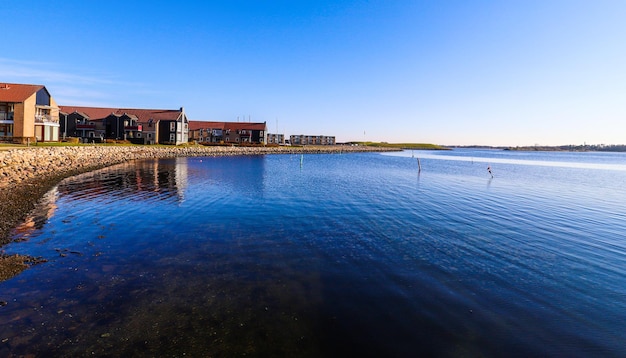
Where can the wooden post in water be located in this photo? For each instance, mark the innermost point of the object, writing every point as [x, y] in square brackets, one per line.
[419, 165]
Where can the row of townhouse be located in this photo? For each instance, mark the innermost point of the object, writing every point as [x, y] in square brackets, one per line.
[228, 132]
[248, 133]
[311, 140]
[139, 126]
[28, 113]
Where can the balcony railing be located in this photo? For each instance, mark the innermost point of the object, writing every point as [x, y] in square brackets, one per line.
[85, 126]
[133, 128]
[45, 118]
[6, 116]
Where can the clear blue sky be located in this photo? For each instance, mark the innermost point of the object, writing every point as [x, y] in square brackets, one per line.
[506, 72]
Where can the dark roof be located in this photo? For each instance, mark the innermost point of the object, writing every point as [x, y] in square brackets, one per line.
[16, 93]
[120, 115]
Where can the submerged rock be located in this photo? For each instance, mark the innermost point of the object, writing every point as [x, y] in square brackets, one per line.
[12, 265]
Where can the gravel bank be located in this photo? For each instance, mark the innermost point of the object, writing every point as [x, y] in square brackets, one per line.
[27, 174]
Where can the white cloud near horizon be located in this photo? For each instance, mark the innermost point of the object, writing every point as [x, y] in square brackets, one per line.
[67, 88]
[19, 70]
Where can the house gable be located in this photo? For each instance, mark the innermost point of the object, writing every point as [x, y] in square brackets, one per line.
[43, 97]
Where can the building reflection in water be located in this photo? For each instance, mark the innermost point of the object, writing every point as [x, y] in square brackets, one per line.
[35, 220]
[154, 181]
[162, 180]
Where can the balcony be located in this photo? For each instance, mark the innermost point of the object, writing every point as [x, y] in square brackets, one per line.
[6, 116]
[137, 128]
[45, 118]
[86, 126]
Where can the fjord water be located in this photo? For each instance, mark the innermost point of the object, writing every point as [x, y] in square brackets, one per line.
[328, 255]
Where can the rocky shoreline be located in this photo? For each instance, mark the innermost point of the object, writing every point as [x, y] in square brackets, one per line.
[26, 174]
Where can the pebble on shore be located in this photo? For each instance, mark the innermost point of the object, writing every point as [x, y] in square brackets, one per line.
[27, 174]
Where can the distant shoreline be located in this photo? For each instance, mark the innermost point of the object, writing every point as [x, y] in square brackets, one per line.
[560, 148]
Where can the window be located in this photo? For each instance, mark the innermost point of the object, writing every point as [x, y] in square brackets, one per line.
[172, 126]
[149, 135]
[172, 137]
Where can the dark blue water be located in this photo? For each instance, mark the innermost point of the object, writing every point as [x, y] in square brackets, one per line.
[354, 254]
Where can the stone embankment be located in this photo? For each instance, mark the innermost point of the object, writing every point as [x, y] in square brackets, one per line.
[20, 165]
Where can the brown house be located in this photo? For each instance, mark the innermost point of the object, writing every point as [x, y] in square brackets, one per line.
[27, 114]
[141, 126]
[228, 132]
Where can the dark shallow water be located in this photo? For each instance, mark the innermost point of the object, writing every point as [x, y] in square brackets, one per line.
[345, 255]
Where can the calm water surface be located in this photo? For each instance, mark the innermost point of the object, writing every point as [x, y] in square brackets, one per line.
[354, 254]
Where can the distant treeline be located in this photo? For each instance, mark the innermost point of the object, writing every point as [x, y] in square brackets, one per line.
[416, 146]
[575, 148]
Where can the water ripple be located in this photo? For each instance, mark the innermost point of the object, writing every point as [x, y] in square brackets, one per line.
[355, 254]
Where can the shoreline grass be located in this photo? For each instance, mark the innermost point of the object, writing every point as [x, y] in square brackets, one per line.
[414, 146]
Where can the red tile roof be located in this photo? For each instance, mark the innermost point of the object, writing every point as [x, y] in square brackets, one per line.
[143, 115]
[16, 93]
[245, 125]
[195, 125]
